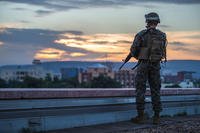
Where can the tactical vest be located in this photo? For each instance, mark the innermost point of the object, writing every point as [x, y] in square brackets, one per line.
[153, 46]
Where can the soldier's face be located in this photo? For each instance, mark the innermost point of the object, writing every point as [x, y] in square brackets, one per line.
[152, 24]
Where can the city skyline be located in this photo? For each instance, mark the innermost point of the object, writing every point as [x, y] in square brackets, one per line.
[92, 30]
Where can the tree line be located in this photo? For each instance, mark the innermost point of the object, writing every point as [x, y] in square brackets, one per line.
[48, 82]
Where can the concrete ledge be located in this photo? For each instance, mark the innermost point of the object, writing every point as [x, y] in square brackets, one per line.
[59, 118]
[52, 109]
[25, 104]
[25, 93]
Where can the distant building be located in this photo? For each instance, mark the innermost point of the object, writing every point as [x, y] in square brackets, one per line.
[18, 72]
[186, 84]
[95, 71]
[85, 77]
[181, 76]
[184, 75]
[125, 77]
[170, 79]
[69, 72]
[55, 74]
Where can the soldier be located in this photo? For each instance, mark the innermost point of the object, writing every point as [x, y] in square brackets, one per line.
[149, 48]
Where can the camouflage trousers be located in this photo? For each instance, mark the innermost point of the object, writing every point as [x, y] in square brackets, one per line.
[148, 71]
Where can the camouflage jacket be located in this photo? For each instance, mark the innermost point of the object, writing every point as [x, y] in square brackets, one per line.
[149, 44]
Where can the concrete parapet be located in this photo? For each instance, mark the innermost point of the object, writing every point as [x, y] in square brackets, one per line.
[51, 109]
[46, 93]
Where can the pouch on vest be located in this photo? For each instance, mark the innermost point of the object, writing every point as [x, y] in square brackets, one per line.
[156, 51]
[144, 53]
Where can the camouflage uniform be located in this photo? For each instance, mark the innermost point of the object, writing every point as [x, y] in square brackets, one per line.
[148, 69]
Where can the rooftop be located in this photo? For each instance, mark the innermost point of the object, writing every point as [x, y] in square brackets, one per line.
[177, 124]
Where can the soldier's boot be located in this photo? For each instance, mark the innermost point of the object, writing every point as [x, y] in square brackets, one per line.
[140, 118]
[156, 118]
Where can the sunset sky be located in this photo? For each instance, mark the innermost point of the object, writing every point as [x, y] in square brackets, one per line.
[92, 30]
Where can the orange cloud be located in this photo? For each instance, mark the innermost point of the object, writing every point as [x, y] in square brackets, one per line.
[77, 54]
[99, 43]
[115, 47]
[57, 54]
[50, 53]
[182, 45]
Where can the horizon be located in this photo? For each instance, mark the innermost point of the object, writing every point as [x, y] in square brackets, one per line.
[54, 61]
[95, 31]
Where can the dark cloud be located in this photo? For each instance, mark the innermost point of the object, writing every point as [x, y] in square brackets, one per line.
[118, 42]
[63, 5]
[36, 38]
[164, 26]
[24, 43]
[16, 54]
[43, 12]
[191, 51]
[19, 9]
[33, 36]
[28, 36]
[24, 21]
[183, 47]
[60, 5]
[178, 43]
[101, 42]
[124, 41]
[146, 5]
[72, 49]
[180, 49]
[192, 36]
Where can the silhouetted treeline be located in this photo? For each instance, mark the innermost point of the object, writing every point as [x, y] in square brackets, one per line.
[48, 82]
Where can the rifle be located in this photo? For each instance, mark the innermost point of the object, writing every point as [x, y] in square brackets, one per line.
[126, 60]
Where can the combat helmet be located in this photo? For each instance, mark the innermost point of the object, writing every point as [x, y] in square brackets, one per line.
[152, 16]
